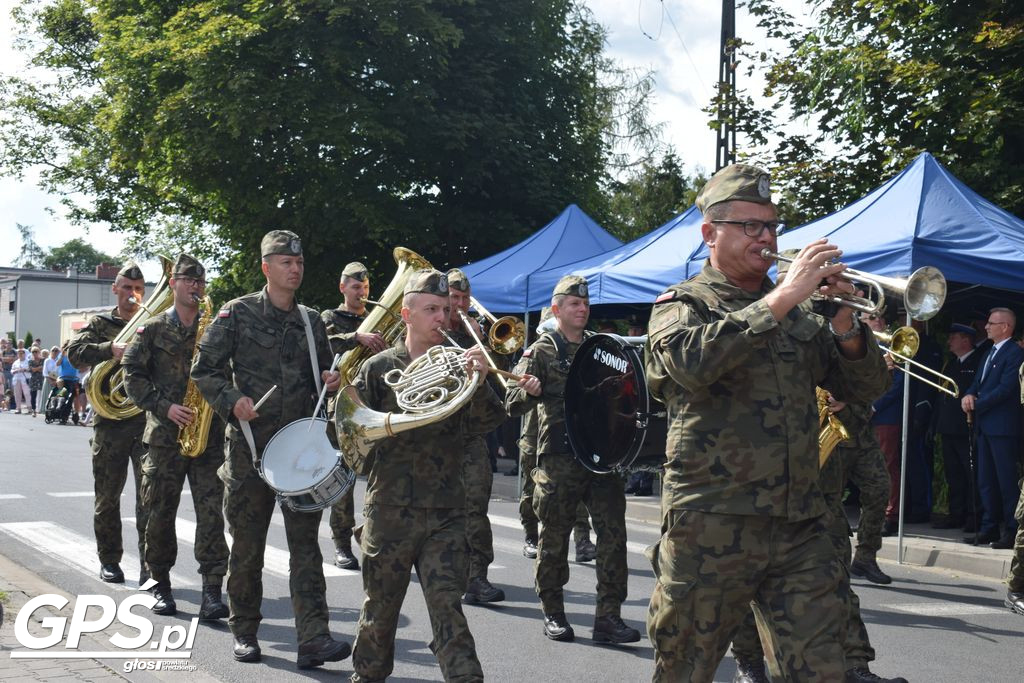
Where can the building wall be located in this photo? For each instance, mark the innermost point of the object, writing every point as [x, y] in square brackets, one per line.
[40, 301]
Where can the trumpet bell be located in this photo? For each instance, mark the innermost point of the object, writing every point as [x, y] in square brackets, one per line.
[925, 293]
[506, 335]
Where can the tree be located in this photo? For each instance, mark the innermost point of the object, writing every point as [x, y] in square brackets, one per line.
[650, 196]
[453, 127]
[31, 254]
[76, 254]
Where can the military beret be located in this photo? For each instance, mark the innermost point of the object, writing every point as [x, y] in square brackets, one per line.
[131, 270]
[573, 285]
[458, 280]
[186, 266]
[281, 242]
[736, 182]
[963, 329]
[356, 271]
[427, 281]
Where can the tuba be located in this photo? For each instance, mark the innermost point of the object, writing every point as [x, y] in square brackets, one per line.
[105, 384]
[192, 437]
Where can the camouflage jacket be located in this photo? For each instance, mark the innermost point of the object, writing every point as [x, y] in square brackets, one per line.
[157, 365]
[542, 361]
[341, 328]
[422, 467]
[856, 417]
[528, 434]
[94, 344]
[248, 348]
[738, 387]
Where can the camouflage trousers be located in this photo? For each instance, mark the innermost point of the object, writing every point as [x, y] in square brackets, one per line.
[710, 567]
[248, 507]
[163, 476]
[393, 541]
[477, 479]
[561, 485]
[343, 518]
[854, 635]
[866, 468]
[1016, 580]
[528, 518]
[116, 445]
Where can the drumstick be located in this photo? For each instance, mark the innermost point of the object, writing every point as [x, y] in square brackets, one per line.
[323, 392]
[264, 399]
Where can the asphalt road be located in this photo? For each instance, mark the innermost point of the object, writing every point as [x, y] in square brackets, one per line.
[929, 625]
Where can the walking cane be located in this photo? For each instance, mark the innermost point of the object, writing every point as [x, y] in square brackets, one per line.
[973, 482]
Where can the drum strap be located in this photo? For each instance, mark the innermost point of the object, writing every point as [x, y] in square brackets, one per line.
[247, 433]
[312, 346]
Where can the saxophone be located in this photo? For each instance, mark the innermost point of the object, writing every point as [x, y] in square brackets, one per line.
[192, 438]
[832, 430]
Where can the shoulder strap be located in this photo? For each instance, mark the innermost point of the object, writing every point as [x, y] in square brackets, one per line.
[563, 352]
[304, 312]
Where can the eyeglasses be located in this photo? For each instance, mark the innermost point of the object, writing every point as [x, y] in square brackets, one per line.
[190, 281]
[990, 323]
[755, 228]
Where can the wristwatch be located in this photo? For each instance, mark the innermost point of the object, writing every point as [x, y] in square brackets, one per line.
[849, 334]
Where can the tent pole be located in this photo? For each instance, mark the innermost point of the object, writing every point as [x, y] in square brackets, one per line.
[903, 459]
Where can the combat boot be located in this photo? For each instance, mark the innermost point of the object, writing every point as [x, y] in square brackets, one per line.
[870, 571]
[110, 572]
[612, 629]
[246, 648]
[862, 674]
[750, 671]
[164, 604]
[213, 606]
[343, 557]
[530, 548]
[322, 649]
[481, 590]
[585, 550]
[556, 627]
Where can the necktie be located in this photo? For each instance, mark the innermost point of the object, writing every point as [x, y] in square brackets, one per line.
[988, 360]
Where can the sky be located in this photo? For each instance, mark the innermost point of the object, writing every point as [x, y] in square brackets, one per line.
[677, 39]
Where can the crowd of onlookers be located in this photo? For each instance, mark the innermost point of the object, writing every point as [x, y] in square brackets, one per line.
[35, 377]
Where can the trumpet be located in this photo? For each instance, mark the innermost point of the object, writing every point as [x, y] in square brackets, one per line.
[506, 334]
[902, 344]
[923, 292]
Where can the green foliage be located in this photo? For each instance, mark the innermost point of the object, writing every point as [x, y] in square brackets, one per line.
[78, 254]
[31, 254]
[28, 340]
[650, 196]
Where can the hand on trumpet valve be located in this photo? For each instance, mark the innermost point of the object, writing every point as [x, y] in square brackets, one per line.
[530, 385]
[180, 415]
[331, 379]
[476, 362]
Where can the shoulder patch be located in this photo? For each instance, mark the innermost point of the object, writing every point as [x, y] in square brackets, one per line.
[665, 296]
[140, 329]
[528, 352]
[224, 313]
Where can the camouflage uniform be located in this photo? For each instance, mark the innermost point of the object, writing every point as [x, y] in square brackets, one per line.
[1016, 578]
[744, 516]
[341, 331]
[157, 366]
[415, 517]
[115, 444]
[864, 464]
[528, 461]
[248, 348]
[561, 484]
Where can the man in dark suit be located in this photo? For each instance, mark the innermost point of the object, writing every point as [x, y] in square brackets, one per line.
[951, 422]
[994, 397]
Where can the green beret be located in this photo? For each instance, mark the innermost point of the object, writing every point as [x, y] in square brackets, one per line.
[281, 242]
[458, 280]
[131, 270]
[356, 271]
[427, 281]
[186, 266]
[737, 182]
[573, 285]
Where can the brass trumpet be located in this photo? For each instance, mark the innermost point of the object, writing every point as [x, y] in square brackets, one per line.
[902, 344]
[923, 292]
[506, 334]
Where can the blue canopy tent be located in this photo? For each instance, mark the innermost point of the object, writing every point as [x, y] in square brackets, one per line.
[501, 282]
[637, 272]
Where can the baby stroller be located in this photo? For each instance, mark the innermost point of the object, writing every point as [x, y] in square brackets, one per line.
[58, 406]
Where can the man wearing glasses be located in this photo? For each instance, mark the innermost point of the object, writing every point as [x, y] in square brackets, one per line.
[994, 399]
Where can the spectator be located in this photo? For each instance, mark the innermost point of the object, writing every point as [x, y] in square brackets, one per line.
[51, 372]
[35, 378]
[994, 398]
[7, 356]
[69, 376]
[20, 373]
[920, 441]
[887, 421]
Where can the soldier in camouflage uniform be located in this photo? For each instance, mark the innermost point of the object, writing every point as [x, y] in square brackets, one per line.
[115, 443]
[256, 342]
[1015, 591]
[561, 483]
[736, 360]
[415, 501]
[156, 366]
[342, 323]
[478, 478]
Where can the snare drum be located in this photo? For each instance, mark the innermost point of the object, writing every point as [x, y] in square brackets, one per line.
[611, 420]
[307, 472]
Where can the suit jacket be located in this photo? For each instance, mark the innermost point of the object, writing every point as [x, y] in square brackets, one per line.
[950, 418]
[997, 406]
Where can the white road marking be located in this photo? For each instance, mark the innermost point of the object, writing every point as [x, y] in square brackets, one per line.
[517, 548]
[946, 609]
[73, 494]
[11, 496]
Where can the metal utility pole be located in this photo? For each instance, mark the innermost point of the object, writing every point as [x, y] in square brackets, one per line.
[725, 152]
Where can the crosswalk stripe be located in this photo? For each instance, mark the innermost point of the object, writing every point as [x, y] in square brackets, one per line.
[517, 548]
[945, 609]
[73, 494]
[76, 550]
[11, 496]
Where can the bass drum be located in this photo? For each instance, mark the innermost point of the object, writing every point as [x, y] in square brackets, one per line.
[612, 423]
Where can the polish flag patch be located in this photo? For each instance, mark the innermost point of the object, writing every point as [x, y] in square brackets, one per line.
[664, 297]
[528, 352]
[224, 313]
[140, 330]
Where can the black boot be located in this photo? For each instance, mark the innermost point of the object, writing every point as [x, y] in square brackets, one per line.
[862, 674]
[322, 649]
[556, 627]
[585, 550]
[870, 571]
[612, 629]
[110, 572]
[213, 606]
[750, 671]
[165, 604]
[530, 548]
[246, 648]
[481, 590]
[343, 557]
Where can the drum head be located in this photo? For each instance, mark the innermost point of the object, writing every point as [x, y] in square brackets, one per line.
[299, 456]
[604, 392]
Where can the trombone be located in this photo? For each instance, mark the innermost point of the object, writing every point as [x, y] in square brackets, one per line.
[923, 292]
[506, 334]
[903, 344]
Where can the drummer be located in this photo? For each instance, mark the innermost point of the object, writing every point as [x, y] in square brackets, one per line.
[561, 482]
[256, 342]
